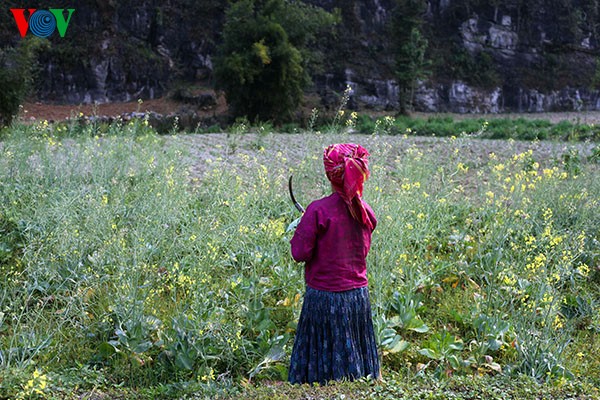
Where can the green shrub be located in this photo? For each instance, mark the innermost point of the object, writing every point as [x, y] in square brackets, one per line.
[17, 70]
[262, 61]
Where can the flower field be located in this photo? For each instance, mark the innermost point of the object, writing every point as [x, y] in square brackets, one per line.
[146, 266]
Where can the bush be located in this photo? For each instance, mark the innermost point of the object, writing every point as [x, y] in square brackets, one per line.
[261, 64]
[17, 68]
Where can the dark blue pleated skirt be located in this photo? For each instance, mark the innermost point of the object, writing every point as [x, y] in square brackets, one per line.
[335, 338]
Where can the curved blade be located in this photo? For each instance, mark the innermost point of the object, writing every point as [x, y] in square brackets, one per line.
[298, 206]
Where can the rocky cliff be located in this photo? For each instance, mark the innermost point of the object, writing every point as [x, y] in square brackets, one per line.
[485, 57]
[496, 56]
[123, 50]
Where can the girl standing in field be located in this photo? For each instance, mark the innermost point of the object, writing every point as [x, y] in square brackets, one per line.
[335, 337]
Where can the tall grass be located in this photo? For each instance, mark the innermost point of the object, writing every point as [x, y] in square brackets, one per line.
[490, 128]
[135, 259]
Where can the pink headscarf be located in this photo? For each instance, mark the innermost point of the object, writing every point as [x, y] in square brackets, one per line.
[347, 168]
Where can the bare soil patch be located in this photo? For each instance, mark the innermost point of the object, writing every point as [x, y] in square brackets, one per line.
[37, 111]
[56, 112]
[285, 151]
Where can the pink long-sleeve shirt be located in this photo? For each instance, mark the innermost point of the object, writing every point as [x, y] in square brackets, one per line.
[333, 245]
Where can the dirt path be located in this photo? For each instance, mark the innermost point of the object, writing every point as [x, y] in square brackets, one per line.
[56, 112]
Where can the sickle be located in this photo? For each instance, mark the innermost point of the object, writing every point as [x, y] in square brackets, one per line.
[298, 206]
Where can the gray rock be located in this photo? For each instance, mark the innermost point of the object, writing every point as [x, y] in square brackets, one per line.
[137, 49]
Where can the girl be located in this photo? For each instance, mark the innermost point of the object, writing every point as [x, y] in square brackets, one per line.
[335, 337]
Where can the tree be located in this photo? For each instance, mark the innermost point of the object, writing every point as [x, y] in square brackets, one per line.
[262, 61]
[410, 67]
[17, 70]
[409, 48]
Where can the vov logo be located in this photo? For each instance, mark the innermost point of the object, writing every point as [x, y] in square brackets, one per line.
[42, 23]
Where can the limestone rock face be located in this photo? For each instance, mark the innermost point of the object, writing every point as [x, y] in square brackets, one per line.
[126, 50]
[490, 57]
[513, 56]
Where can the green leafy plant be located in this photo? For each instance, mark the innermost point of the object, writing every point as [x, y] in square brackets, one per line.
[595, 156]
[445, 349]
[541, 360]
[492, 332]
[271, 360]
[262, 61]
[406, 307]
[571, 162]
[387, 337]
